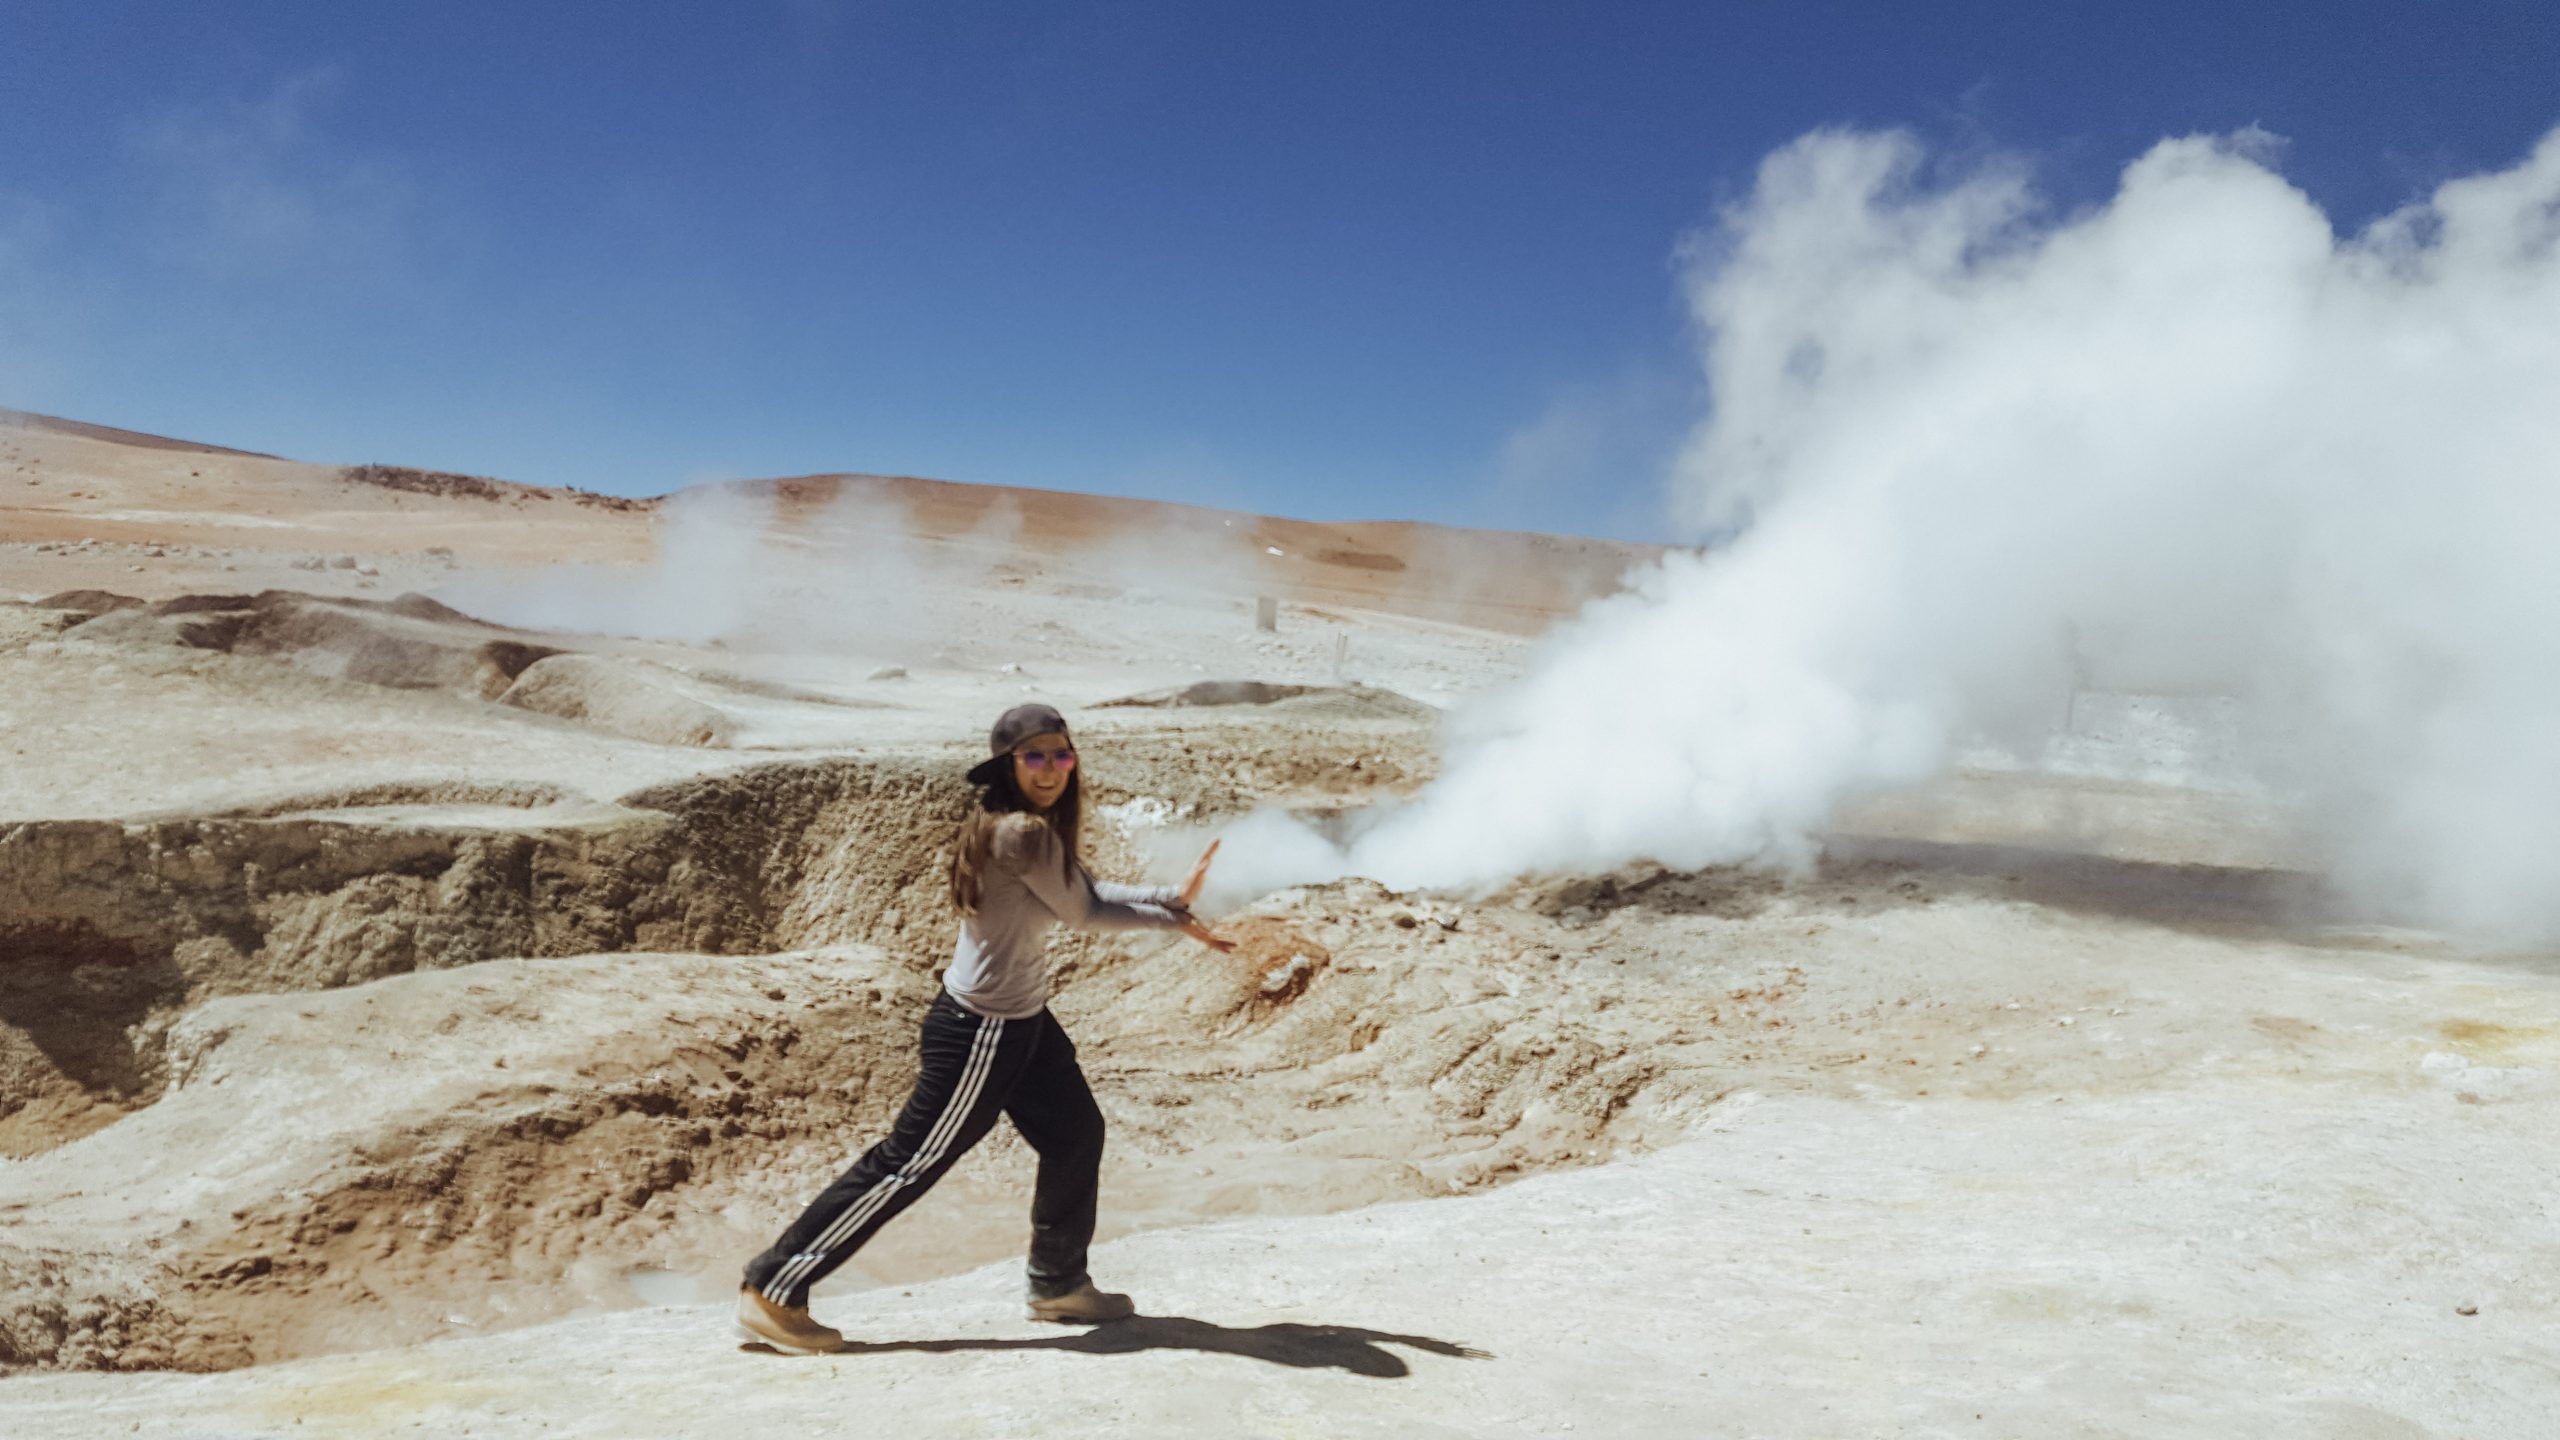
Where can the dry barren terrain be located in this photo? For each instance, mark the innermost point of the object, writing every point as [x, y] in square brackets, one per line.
[446, 925]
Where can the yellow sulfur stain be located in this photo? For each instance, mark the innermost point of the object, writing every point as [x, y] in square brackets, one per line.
[2479, 1040]
[376, 1395]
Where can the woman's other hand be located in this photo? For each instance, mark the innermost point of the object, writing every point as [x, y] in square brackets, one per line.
[1192, 927]
[1199, 877]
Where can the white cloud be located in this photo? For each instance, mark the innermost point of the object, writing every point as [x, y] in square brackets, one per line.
[250, 188]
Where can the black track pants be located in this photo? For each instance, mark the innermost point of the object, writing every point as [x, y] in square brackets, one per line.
[974, 1069]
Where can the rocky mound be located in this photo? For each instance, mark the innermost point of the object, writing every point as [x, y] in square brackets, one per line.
[1343, 702]
[495, 1147]
[109, 930]
[624, 697]
[20, 624]
[88, 602]
[409, 643]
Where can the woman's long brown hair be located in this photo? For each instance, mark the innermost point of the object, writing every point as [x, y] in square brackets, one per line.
[977, 837]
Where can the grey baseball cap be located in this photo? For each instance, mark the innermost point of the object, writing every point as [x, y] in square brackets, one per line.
[1012, 728]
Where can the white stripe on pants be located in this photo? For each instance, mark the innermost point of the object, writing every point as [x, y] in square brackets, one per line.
[973, 1076]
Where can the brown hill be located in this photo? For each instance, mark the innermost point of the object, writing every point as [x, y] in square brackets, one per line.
[113, 495]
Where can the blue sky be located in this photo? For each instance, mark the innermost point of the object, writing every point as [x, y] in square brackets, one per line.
[1339, 260]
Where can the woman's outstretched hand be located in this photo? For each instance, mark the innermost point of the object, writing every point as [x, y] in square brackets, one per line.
[1199, 876]
[1191, 891]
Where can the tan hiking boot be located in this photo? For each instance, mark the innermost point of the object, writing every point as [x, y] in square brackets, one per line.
[1084, 1305]
[781, 1326]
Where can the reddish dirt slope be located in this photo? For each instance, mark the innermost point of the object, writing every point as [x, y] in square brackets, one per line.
[65, 481]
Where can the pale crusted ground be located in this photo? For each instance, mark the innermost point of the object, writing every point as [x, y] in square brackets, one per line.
[2052, 1105]
[2146, 1265]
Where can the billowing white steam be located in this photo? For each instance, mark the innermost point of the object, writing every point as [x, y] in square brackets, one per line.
[1950, 432]
[842, 577]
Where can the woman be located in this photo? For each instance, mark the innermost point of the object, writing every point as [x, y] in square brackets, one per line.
[990, 1045]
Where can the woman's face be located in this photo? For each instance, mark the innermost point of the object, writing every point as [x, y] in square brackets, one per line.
[1042, 765]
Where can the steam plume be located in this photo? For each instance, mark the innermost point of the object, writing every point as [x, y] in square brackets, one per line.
[843, 578]
[2224, 445]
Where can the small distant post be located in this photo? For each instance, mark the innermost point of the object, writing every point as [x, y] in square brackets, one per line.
[1266, 612]
[1341, 656]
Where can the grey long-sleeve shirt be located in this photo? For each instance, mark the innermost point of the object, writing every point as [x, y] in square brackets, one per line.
[1000, 968]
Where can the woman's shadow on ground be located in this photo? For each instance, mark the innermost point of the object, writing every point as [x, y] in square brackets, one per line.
[1307, 1347]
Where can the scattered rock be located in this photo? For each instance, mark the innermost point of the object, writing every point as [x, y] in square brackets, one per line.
[428, 482]
[888, 672]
